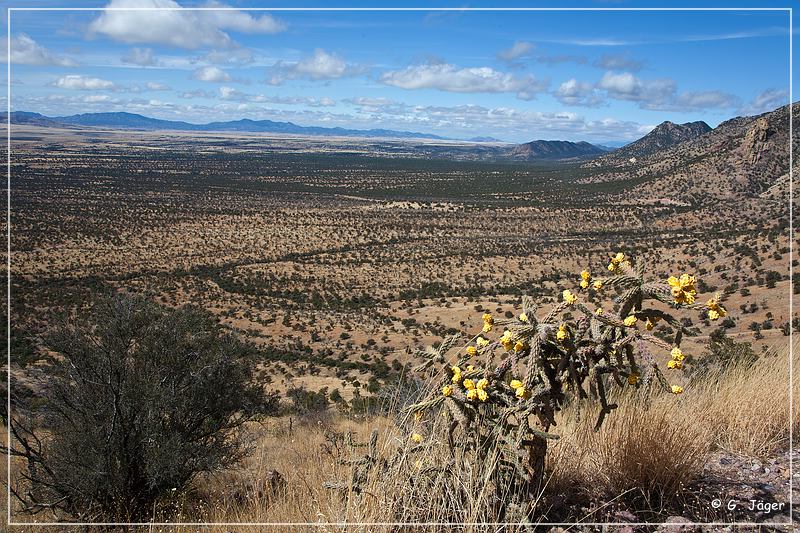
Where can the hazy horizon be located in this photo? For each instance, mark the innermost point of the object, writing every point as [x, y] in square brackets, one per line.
[511, 75]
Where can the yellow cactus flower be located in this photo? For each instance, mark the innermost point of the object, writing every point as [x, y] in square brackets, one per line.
[683, 289]
[584, 284]
[569, 297]
[519, 346]
[470, 368]
[447, 390]
[507, 340]
[599, 311]
[482, 395]
[515, 384]
[633, 378]
[523, 317]
[472, 351]
[586, 275]
[677, 354]
[598, 284]
[561, 334]
[456, 374]
[715, 310]
[522, 392]
[416, 437]
[488, 322]
[482, 383]
[674, 365]
[630, 320]
[472, 394]
[468, 384]
[616, 261]
[481, 342]
[677, 389]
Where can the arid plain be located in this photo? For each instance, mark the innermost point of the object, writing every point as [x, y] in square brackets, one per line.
[339, 257]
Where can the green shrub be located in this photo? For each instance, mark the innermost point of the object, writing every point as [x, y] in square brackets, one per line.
[141, 401]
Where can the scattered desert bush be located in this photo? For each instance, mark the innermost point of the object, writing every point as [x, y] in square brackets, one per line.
[722, 354]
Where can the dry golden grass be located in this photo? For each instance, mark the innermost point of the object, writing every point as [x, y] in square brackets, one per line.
[646, 453]
[747, 412]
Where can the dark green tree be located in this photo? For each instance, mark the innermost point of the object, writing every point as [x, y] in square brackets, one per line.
[142, 400]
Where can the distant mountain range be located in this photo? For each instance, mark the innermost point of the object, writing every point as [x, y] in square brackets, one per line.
[534, 150]
[121, 120]
[668, 142]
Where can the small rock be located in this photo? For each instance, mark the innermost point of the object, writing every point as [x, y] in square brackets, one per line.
[677, 524]
[623, 515]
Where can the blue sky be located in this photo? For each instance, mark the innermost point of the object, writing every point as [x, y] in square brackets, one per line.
[599, 76]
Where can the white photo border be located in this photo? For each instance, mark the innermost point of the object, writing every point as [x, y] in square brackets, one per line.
[9, 521]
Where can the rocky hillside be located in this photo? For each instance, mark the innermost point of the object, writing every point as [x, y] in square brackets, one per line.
[554, 150]
[745, 157]
[664, 136]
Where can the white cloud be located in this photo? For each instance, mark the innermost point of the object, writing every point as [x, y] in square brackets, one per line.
[699, 100]
[518, 49]
[239, 56]
[320, 65]
[446, 77]
[26, 51]
[242, 22]
[621, 85]
[662, 94]
[563, 58]
[179, 28]
[371, 104]
[626, 86]
[618, 62]
[156, 86]
[85, 83]
[140, 56]
[198, 93]
[578, 93]
[767, 100]
[212, 74]
[503, 122]
[234, 95]
[98, 98]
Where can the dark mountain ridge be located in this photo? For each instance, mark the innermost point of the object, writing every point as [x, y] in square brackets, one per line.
[665, 135]
[554, 150]
[742, 158]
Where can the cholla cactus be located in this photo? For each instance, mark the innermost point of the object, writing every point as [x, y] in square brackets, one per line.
[360, 467]
[500, 411]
